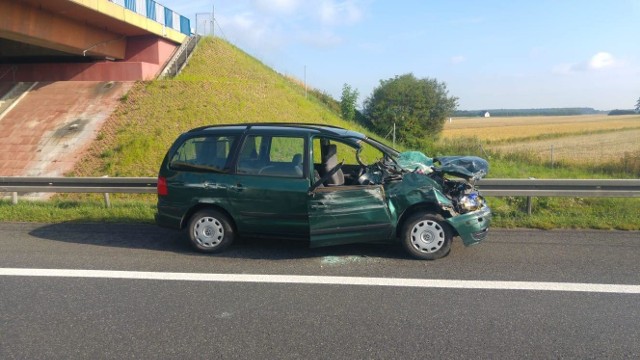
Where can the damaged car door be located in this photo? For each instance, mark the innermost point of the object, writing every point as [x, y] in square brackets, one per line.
[342, 211]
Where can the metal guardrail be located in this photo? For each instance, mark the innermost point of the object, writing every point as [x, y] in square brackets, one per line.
[561, 187]
[489, 187]
[157, 12]
[131, 185]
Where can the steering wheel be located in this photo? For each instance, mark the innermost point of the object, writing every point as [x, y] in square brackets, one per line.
[394, 161]
[359, 160]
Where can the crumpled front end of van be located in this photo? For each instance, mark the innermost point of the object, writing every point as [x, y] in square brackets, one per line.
[448, 182]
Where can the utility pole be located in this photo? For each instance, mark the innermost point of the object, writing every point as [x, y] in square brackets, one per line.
[394, 134]
[305, 81]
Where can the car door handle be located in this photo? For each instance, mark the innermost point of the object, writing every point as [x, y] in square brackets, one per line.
[237, 187]
[318, 204]
[210, 185]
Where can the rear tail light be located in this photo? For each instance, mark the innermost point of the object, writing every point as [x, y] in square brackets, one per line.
[163, 190]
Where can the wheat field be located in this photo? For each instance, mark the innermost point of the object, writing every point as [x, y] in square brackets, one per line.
[510, 128]
[593, 148]
[586, 139]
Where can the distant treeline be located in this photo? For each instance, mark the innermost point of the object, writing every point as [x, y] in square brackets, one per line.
[529, 112]
[622, 112]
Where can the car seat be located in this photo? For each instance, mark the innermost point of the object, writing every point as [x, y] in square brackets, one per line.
[329, 162]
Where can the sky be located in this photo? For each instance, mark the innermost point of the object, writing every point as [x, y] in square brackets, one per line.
[490, 54]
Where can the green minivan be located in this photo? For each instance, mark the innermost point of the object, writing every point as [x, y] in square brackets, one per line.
[321, 184]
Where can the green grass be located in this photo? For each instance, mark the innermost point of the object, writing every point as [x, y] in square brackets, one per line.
[222, 84]
[567, 213]
[510, 212]
[85, 210]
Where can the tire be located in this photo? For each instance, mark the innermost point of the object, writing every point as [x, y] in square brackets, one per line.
[210, 231]
[427, 236]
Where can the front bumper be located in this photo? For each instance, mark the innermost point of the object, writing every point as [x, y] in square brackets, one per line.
[472, 227]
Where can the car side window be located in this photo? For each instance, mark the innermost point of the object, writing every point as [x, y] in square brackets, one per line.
[251, 153]
[204, 153]
[272, 156]
[344, 152]
[337, 163]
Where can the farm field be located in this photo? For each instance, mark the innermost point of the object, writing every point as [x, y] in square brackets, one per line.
[585, 139]
[510, 128]
[590, 148]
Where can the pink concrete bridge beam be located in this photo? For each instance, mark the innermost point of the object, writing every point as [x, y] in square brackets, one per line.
[28, 24]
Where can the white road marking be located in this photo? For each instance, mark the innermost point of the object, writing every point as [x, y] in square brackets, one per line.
[326, 280]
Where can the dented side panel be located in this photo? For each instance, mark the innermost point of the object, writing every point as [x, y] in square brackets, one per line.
[414, 189]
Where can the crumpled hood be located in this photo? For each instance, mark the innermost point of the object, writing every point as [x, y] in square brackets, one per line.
[468, 167]
[415, 160]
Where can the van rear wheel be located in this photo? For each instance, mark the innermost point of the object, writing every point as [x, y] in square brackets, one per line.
[210, 231]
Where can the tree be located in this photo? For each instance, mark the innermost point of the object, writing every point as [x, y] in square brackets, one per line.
[348, 102]
[418, 107]
[638, 105]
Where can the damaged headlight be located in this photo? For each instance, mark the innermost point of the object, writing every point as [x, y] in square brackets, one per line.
[470, 202]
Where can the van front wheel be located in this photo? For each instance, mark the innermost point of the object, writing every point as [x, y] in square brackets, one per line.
[427, 236]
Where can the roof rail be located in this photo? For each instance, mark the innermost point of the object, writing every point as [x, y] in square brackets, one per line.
[293, 124]
[283, 124]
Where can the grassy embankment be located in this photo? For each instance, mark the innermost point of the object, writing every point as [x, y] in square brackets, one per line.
[222, 84]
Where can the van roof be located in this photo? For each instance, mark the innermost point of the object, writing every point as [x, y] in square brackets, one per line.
[319, 128]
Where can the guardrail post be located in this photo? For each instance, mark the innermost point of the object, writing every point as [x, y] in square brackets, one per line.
[529, 200]
[14, 198]
[107, 199]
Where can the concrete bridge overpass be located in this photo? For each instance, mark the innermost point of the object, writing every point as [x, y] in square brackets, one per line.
[99, 40]
[64, 65]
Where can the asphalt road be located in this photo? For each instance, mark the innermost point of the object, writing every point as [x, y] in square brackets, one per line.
[69, 317]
